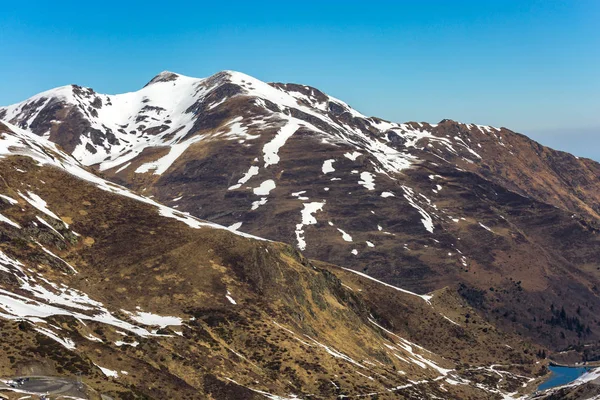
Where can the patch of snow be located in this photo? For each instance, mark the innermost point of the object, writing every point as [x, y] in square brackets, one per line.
[367, 180]
[235, 227]
[127, 164]
[92, 338]
[161, 165]
[121, 343]
[588, 376]
[57, 257]
[108, 372]
[485, 227]
[10, 200]
[271, 148]
[66, 342]
[252, 171]
[353, 156]
[307, 219]
[345, 236]
[265, 188]
[328, 166]
[43, 221]
[258, 203]
[336, 353]
[9, 221]
[425, 297]
[426, 218]
[39, 203]
[297, 194]
[450, 320]
[231, 300]
[146, 318]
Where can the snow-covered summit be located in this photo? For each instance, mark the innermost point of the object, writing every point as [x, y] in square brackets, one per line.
[174, 111]
[165, 76]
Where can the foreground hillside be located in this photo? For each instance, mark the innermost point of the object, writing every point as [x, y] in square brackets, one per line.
[143, 301]
[509, 224]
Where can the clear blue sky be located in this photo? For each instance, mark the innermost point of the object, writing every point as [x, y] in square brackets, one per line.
[532, 66]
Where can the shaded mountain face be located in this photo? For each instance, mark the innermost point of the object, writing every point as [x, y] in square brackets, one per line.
[508, 223]
[143, 301]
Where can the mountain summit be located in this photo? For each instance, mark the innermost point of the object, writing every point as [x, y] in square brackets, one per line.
[506, 223]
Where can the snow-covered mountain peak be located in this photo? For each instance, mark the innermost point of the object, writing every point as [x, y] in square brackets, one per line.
[164, 76]
[26, 112]
[174, 111]
[96, 127]
[412, 204]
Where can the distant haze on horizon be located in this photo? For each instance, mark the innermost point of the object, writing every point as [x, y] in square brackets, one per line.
[531, 66]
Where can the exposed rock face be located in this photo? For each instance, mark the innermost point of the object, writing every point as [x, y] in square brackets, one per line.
[143, 301]
[508, 223]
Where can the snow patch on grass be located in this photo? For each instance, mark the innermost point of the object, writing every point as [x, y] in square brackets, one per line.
[328, 166]
[271, 149]
[345, 236]
[147, 318]
[367, 179]
[8, 221]
[265, 188]
[307, 219]
[252, 171]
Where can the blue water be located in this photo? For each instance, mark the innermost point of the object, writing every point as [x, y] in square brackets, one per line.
[562, 376]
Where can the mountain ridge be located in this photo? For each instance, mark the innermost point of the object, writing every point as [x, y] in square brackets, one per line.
[416, 205]
[142, 301]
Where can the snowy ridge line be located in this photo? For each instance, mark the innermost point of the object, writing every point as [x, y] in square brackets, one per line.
[170, 103]
[62, 93]
[388, 158]
[24, 143]
[426, 297]
[161, 104]
[292, 333]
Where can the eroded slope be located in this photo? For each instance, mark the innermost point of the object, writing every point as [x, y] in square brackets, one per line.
[143, 301]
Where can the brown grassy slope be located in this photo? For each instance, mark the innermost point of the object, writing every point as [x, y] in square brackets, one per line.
[128, 256]
[520, 164]
[295, 327]
[537, 258]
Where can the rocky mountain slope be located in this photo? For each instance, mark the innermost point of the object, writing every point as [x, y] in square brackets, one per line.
[142, 301]
[510, 224]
